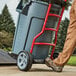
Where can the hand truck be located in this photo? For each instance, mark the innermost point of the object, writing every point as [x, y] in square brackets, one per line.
[25, 59]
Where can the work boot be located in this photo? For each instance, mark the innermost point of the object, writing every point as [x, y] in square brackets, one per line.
[55, 67]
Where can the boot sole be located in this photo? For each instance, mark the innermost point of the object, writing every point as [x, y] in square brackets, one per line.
[52, 67]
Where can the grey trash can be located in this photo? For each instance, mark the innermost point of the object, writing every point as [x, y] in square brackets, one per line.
[30, 23]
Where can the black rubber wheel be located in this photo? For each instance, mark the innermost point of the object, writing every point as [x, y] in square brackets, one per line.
[55, 55]
[24, 60]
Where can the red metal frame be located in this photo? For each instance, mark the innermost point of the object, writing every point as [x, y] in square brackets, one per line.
[51, 29]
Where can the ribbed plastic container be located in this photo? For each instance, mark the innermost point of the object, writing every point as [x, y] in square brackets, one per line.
[30, 23]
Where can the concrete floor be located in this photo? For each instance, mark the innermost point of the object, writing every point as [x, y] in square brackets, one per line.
[36, 70]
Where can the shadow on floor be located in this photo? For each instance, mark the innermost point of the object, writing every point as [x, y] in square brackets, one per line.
[40, 70]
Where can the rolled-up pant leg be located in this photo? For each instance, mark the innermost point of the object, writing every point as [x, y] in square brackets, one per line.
[69, 46]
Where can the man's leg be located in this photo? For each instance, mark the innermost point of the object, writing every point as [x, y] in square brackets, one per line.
[68, 49]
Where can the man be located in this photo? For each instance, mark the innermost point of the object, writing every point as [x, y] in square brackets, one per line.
[70, 43]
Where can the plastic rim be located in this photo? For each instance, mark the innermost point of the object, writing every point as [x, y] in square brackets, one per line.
[22, 60]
